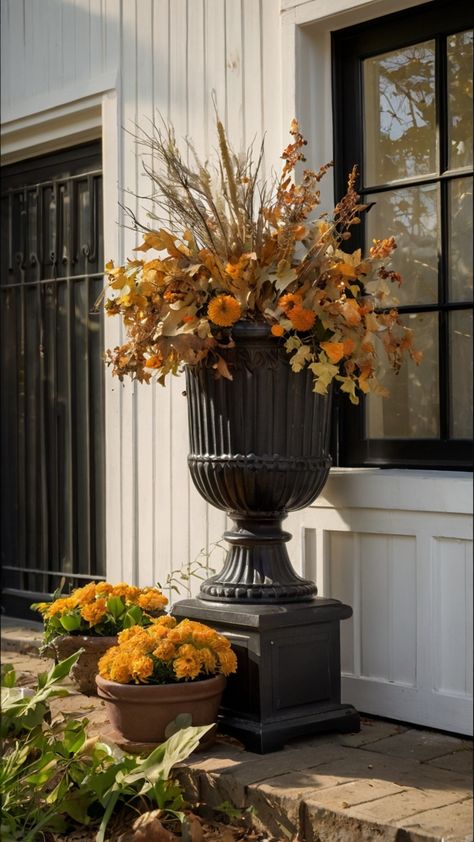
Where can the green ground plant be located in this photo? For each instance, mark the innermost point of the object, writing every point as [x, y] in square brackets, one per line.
[53, 779]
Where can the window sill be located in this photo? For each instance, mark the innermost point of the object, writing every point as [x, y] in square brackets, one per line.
[402, 490]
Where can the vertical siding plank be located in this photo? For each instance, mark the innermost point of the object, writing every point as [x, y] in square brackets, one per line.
[72, 67]
[180, 490]
[252, 72]
[82, 39]
[234, 74]
[215, 70]
[129, 502]
[271, 64]
[162, 396]
[50, 33]
[19, 66]
[198, 109]
[145, 397]
[96, 25]
[216, 61]
[112, 35]
[6, 76]
[161, 56]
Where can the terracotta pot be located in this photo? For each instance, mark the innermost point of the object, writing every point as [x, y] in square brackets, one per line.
[83, 673]
[142, 712]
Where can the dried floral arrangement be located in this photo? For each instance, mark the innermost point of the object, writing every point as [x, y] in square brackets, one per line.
[235, 248]
[168, 651]
[100, 609]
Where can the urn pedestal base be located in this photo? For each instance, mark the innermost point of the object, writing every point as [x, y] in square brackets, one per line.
[288, 680]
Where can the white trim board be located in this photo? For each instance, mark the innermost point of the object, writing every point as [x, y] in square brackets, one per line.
[52, 130]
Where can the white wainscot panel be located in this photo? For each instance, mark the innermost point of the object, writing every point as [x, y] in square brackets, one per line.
[452, 616]
[376, 574]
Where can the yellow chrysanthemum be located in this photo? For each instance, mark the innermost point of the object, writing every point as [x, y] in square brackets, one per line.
[119, 671]
[208, 659]
[142, 668]
[224, 310]
[94, 612]
[103, 589]
[166, 651]
[227, 661]
[152, 600]
[188, 662]
[168, 621]
[85, 594]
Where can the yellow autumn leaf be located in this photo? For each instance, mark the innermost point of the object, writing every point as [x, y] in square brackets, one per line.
[348, 386]
[351, 312]
[346, 271]
[324, 372]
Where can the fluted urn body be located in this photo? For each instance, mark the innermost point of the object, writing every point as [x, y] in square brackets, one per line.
[259, 448]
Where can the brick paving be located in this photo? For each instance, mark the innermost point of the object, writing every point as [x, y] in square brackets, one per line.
[388, 782]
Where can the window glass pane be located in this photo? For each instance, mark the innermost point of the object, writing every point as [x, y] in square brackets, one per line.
[412, 409]
[410, 214]
[460, 335]
[460, 99]
[400, 114]
[460, 239]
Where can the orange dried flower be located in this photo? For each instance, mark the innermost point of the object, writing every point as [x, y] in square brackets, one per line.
[154, 362]
[224, 310]
[290, 300]
[383, 248]
[334, 350]
[302, 319]
[278, 330]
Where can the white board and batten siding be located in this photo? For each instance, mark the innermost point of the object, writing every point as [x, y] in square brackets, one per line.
[395, 545]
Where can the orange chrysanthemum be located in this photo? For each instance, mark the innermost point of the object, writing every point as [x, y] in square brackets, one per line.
[289, 301]
[278, 330]
[302, 319]
[224, 310]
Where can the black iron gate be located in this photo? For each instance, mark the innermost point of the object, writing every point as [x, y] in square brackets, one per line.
[51, 375]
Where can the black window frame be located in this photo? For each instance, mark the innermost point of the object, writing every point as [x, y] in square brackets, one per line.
[350, 47]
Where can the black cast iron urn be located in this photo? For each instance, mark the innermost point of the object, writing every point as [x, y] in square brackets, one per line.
[259, 448]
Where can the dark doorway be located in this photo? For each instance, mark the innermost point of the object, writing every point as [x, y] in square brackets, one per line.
[51, 375]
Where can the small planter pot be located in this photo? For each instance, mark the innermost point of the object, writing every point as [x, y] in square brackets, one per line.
[83, 673]
[142, 713]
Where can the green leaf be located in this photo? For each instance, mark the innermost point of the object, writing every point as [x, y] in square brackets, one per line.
[74, 737]
[70, 622]
[8, 674]
[111, 802]
[158, 764]
[115, 606]
[77, 807]
[63, 668]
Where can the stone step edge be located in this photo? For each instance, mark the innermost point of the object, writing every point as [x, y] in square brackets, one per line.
[286, 818]
[25, 642]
